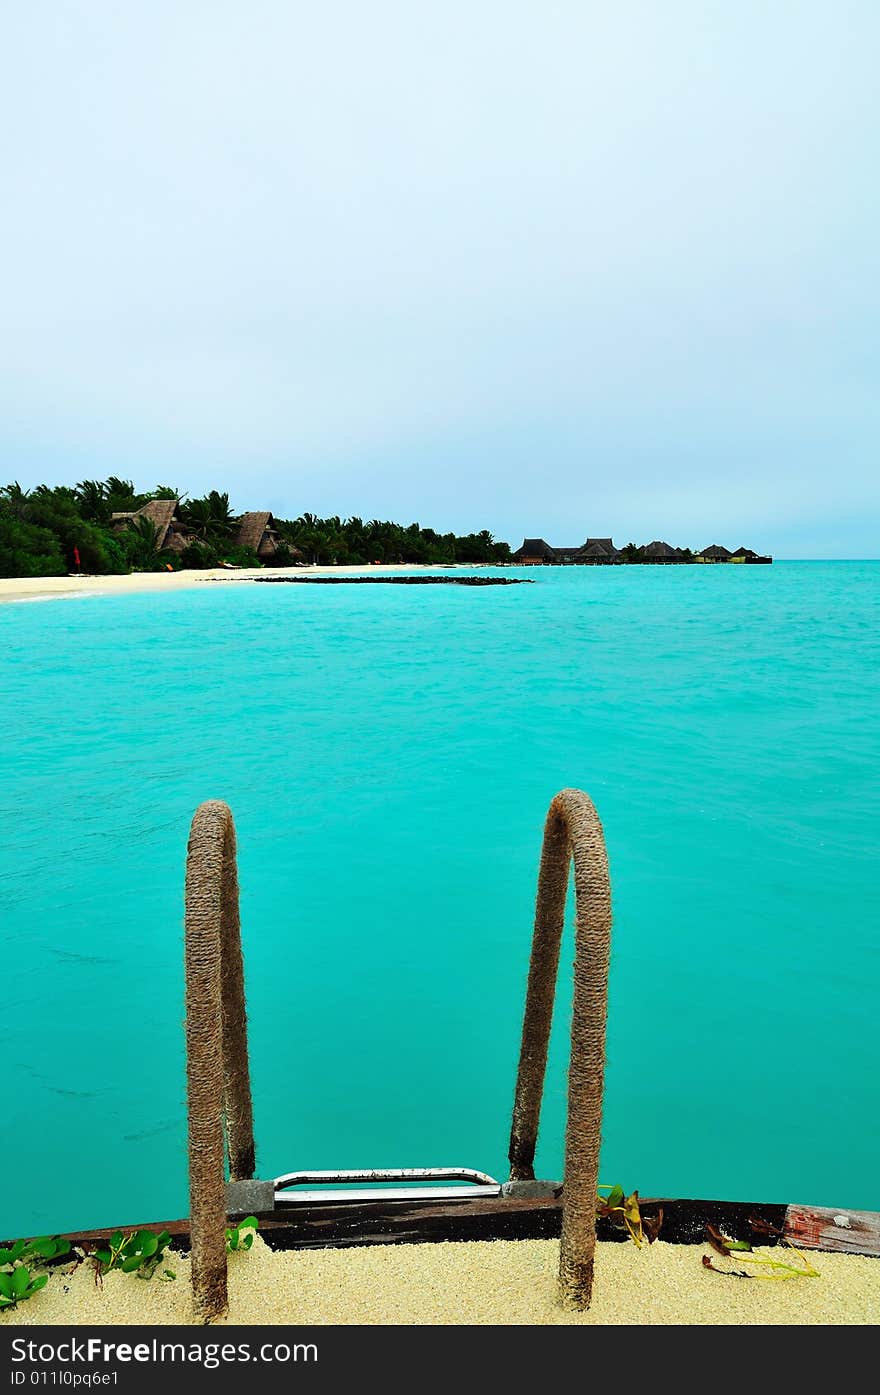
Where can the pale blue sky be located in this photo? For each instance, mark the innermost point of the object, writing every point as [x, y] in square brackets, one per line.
[562, 268]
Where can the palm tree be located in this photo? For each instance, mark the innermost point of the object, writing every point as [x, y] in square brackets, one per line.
[16, 498]
[119, 489]
[141, 540]
[210, 517]
[92, 498]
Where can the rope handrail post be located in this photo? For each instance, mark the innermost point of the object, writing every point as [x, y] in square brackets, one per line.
[572, 834]
[217, 1071]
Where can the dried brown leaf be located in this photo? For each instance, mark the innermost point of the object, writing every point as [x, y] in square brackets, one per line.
[718, 1242]
[651, 1226]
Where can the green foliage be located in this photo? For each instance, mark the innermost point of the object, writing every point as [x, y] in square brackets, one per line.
[140, 1252]
[330, 540]
[57, 514]
[750, 1263]
[625, 1212]
[44, 1247]
[26, 550]
[138, 541]
[199, 555]
[241, 1236]
[240, 556]
[17, 1285]
[40, 528]
[210, 519]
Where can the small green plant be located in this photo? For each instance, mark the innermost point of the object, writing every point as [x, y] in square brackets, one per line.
[758, 1266]
[140, 1252]
[241, 1236]
[625, 1211]
[18, 1285]
[45, 1247]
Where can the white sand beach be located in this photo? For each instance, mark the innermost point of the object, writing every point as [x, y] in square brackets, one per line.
[47, 588]
[478, 1282]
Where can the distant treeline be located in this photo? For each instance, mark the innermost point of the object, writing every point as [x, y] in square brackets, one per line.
[43, 531]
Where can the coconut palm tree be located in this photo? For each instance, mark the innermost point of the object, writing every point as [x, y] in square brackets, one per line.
[92, 499]
[16, 499]
[140, 540]
[209, 518]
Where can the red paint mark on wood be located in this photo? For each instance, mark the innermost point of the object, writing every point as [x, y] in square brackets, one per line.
[824, 1228]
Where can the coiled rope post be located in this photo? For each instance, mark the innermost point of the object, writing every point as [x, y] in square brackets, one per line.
[217, 1071]
[572, 833]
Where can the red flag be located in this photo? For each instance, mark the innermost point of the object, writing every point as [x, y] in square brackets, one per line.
[76, 557]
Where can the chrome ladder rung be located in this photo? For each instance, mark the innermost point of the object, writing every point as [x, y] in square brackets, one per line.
[480, 1184]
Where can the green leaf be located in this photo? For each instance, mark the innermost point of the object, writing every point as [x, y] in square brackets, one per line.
[168, 1275]
[615, 1197]
[49, 1246]
[116, 1239]
[247, 1240]
[131, 1263]
[249, 1223]
[38, 1283]
[149, 1245]
[102, 1256]
[20, 1279]
[6, 1289]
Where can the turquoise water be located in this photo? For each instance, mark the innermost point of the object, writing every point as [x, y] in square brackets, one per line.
[389, 754]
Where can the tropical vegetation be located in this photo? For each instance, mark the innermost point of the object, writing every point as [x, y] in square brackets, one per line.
[49, 531]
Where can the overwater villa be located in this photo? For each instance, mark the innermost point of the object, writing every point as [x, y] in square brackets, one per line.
[602, 552]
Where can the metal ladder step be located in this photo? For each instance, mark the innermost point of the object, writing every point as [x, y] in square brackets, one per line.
[480, 1184]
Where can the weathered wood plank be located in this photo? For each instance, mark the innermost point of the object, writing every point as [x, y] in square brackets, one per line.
[824, 1228]
[342, 1224]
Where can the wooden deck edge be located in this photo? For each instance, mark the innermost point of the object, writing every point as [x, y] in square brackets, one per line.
[514, 1218]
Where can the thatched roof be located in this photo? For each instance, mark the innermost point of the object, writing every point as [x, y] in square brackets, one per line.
[257, 531]
[252, 528]
[160, 512]
[536, 547]
[744, 552]
[716, 551]
[598, 548]
[659, 550]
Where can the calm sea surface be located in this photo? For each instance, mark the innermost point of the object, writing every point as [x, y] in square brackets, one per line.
[389, 754]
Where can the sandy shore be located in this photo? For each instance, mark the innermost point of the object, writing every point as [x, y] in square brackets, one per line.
[481, 1282]
[48, 588]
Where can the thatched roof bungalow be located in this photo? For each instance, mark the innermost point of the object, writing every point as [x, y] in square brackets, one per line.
[715, 553]
[171, 534]
[745, 554]
[534, 552]
[598, 550]
[257, 531]
[659, 552]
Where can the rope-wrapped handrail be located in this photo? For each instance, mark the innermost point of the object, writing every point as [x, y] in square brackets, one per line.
[572, 833]
[217, 1071]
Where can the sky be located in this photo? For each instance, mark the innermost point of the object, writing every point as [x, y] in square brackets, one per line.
[557, 268]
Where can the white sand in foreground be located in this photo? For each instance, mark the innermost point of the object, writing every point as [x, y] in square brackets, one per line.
[479, 1282]
[47, 588]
